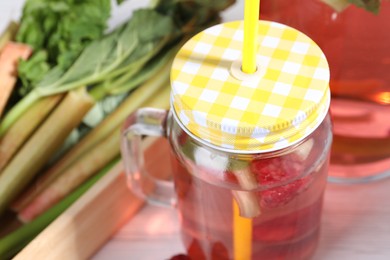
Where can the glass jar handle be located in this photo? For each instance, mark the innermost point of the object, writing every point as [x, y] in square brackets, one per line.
[145, 122]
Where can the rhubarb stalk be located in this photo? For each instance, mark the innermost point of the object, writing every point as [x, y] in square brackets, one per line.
[246, 199]
[71, 178]
[15, 241]
[18, 133]
[107, 126]
[85, 166]
[42, 144]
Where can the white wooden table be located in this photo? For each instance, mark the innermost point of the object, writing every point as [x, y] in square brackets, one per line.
[355, 225]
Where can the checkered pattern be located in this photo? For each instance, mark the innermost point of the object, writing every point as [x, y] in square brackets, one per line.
[274, 110]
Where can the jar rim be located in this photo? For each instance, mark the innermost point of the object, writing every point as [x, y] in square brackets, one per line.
[248, 152]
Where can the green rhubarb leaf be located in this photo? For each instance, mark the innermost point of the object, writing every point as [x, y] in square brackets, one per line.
[369, 5]
[372, 6]
[112, 55]
[81, 22]
[150, 25]
[217, 5]
[126, 83]
[95, 59]
[33, 71]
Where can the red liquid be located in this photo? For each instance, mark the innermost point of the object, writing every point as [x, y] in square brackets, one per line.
[289, 231]
[356, 44]
[289, 222]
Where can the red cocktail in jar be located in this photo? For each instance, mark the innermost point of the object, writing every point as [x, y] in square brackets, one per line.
[289, 192]
[250, 152]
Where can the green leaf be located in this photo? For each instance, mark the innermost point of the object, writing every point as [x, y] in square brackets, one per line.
[150, 25]
[217, 5]
[94, 60]
[51, 77]
[32, 71]
[369, 5]
[125, 83]
[126, 49]
[81, 22]
[134, 63]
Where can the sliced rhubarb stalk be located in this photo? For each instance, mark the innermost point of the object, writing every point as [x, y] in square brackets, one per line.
[247, 203]
[246, 179]
[247, 200]
[304, 149]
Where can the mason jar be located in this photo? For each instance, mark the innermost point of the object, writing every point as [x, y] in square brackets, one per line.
[248, 177]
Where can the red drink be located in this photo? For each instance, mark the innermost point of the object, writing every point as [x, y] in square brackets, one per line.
[356, 44]
[290, 197]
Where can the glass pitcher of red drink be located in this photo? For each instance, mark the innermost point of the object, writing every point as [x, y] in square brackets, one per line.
[250, 154]
[356, 43]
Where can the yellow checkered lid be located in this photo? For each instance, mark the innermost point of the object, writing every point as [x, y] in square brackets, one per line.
[280, 104]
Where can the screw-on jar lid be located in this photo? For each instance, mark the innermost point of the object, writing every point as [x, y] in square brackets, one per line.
[280, 104]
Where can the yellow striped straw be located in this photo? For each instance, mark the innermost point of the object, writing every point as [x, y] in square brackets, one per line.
[251, 21]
